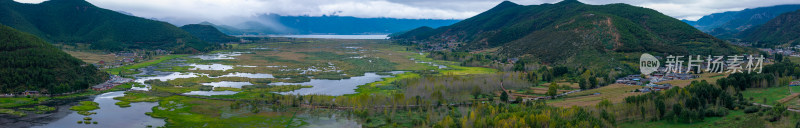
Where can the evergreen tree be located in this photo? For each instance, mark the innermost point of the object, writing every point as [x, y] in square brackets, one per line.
[504, 97]
[582, 84]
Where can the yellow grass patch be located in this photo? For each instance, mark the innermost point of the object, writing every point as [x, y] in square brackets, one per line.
[91, 58]
[614, 93]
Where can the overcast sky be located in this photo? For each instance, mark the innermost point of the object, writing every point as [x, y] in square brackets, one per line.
[193, 11]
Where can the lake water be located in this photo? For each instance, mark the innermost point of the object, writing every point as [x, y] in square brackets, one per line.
[335, 87]
[219, 56]
[163, 76]
[218, 67]
[228, 84]
[335, 36]
[110, 115]
[210, 93]
[247, 75]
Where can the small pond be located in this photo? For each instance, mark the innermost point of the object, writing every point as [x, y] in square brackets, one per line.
[335, 87]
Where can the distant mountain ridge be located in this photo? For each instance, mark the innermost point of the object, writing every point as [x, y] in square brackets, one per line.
[571, 30]
[729, 24]
[78, 21]
[781, 30]
[31, 64]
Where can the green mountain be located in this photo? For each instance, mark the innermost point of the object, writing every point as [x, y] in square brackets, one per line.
[30, 63]
[784, 29]
[421, 32]
[78, 21]
[729, 24]
[709, 22]
[570, 31]
[208, 33]
[225, 29]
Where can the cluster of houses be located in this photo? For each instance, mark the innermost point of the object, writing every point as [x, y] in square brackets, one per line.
[659, 77]
[25, 93]
[788, 51]
[123, 58]
[450, 45]
[654, 78]
[632, 80]
[655, 87]
[550, 97]
[443, 43]
[114, 81]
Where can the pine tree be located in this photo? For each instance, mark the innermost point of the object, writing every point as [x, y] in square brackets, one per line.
[582, 84]
[504, 97]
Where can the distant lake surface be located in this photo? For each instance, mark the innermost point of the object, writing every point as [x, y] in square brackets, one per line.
[331, 36]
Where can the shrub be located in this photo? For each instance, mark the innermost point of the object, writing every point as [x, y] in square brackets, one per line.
[751, 109]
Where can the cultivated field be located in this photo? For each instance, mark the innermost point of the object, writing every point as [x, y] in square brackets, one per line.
[614, 93]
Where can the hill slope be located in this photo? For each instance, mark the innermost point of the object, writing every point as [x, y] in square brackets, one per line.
[570, 30]
[30, 63]
[208, 33]
[729, 24]
[77, 21]
[784, 29]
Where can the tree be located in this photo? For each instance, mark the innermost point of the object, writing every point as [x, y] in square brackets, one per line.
[604, 104]
[552, 91]
[593, 82]
[519, 66]
[797, 125]
[504, 97]
[533, 78]
[476, 91]
[582, 84]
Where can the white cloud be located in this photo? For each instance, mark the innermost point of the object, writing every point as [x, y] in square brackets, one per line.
[389, 9]
[229, 11]
[30, 1]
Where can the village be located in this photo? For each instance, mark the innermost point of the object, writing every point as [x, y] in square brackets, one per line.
[786, 51]
[129, 57]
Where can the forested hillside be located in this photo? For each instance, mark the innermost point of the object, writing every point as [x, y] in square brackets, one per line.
[784, 29]
[77, 21]
[729, 24]
[570, 30]
[30, 63]
[208, 33]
